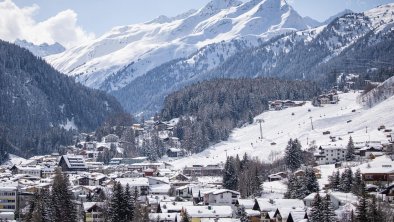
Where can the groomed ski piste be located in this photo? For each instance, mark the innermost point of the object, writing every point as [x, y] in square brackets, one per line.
[347, 118]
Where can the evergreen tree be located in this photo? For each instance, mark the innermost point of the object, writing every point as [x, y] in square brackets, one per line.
[62, 206]
[241, 214]
[317, 209]
[346, 180]
[129, 203]
[356, 185]
[374, 212]
[300, 190]
[185, 216]
[311, 181]
[328, 210]
[334, 180]
[117, 211]
[293, 155]
[230, 180]
[290, 186]
[350, 150]
[362, 206]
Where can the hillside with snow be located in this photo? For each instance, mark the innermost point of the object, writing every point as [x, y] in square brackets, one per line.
[347, 118]
[379, 93]
[141, 47]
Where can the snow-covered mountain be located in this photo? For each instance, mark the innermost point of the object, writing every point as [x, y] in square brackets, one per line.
[137, 49]
[41, 50]
[354, 42]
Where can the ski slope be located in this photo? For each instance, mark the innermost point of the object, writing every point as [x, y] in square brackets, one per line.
[280, 126]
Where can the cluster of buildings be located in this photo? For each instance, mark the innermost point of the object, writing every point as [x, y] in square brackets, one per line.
[335, 153]
[283, 104]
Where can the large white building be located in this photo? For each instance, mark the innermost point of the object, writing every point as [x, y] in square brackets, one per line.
[8, 192]
[330, 154]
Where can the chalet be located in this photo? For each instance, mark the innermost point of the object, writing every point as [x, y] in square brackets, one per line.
[141, 183]
[247, 203]
[173, 206]
[330, 154]
[149, 172]
[175, 152]
[366, 151]
[93, 211]
[144, 166]
[267, 206]
[221, 197]
[253, 215]
[159, 185]
[184, 191]
[198, 170]
[290, 214]
[71, 163]
[388, 194]
[35, 171]
[198, 213]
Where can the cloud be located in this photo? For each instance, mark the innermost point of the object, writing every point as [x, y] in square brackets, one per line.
[19, 23]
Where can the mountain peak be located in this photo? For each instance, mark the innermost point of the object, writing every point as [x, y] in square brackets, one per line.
[41, 50]
[216, 5]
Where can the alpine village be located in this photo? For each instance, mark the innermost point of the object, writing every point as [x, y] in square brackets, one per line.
[240, 111]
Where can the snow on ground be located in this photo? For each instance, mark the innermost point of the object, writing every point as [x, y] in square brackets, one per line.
[280, 126]
[277, 187]
[15, 160]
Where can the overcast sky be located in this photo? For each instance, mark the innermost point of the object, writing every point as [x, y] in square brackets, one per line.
[48, 20]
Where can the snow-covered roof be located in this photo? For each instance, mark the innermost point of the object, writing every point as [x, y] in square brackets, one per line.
[220, 191]
[209, 211]
[74, 161]
[133, 182]
[173, 206]
[166, 216]
[273, 204]
[160, 188]
[247, 203]
[252, 213]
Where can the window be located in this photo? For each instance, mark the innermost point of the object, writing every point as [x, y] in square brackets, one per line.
[221, 196]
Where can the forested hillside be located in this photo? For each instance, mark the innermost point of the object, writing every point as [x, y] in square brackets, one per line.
[39, 105]
[211, 109]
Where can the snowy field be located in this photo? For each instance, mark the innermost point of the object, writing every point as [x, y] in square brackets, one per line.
[280, 126]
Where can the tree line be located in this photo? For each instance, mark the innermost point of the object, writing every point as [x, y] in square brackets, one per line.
[210, 110]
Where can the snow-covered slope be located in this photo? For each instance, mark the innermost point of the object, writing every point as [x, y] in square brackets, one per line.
[141, 47]
[379, 93]
[280, 126]
[41, 50]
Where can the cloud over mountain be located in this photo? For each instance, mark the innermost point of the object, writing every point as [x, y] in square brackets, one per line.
[19, 23]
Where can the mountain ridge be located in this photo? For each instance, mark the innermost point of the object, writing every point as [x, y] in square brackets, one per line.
[142, 47]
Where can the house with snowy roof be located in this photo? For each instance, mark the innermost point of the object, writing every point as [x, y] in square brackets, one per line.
[165, 217]
[330, 154]
[197, 213]
[221, 197]
[167, 206]
[93, 211]
[72, 163]
[159, 185]
[141, 183]
[266, 206]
